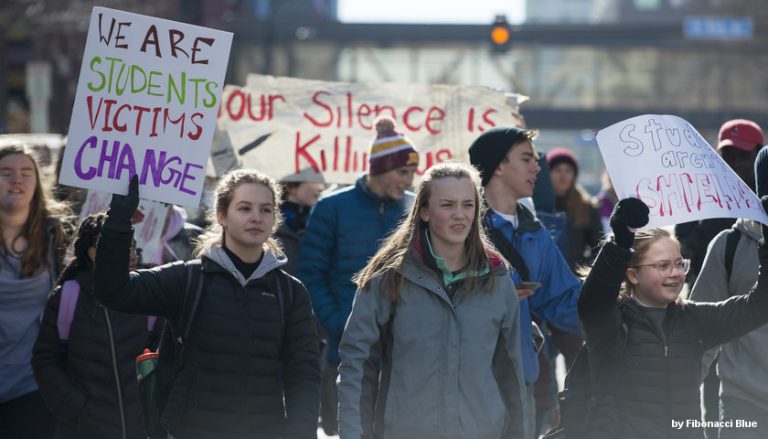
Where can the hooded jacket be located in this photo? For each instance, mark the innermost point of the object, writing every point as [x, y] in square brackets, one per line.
[430, 366]
[655, 376]
[90, 382]
[345, 230]
[742, 362]
[248, 371]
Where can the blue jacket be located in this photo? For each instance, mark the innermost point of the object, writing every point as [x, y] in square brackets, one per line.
[345, 230]
[556, 301]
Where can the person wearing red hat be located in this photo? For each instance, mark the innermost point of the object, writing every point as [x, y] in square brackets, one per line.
[738, 143]
[584, 228]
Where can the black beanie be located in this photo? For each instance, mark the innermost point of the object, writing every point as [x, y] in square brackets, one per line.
[490, 148]
[761, 172]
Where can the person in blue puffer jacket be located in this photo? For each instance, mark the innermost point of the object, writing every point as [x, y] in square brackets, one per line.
[345, 230]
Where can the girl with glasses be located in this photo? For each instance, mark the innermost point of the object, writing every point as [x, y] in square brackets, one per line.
[645, 342]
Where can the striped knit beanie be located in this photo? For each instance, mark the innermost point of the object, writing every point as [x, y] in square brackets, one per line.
[390, 150]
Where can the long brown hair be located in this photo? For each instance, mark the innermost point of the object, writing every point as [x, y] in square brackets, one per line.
[390, 258]
[45, 221]
[225, 189]
[578, 205]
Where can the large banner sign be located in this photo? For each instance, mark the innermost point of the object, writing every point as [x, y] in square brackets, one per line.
[146, 104]
[664, 161]
[283, 126]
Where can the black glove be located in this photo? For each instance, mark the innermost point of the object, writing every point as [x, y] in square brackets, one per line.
[629, 212]
[122, 208]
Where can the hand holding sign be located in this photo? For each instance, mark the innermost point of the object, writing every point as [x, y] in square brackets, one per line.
[663, 161]
[122, 208]
[629, 214]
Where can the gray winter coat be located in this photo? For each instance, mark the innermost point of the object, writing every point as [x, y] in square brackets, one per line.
[450, 369]
[741, 366]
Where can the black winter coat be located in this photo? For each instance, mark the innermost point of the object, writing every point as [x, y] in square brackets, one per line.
[248, 371]
[89, 382]
[655, 377]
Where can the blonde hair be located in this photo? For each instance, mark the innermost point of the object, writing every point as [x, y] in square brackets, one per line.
[214, 234]
[643, 241]
[391, 256]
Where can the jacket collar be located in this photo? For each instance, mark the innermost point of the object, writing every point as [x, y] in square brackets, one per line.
[217, 260]
[365, 192]
[527, 221]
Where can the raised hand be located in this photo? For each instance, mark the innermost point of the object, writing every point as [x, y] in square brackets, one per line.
[628, 213]
[122, 208]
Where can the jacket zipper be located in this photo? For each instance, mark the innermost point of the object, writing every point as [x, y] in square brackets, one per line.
[117, 373]
[381, 208]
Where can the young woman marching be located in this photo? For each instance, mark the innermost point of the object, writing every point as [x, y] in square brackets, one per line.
[86, 370]
[645, 344]
[251, 366]
[32, 244]
[432, 347]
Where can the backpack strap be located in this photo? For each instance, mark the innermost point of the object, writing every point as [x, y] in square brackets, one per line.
[70, 291]
[731, 242]
[507, 250]
[194, 279]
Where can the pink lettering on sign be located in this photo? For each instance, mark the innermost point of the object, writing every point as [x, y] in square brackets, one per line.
[684, 192]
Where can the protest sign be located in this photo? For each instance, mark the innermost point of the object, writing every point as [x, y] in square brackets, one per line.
[665, 162]
[146, 104]
[149, 221]
[282, 126]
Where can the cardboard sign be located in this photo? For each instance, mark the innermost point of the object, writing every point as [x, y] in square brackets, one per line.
[146, 104]
[148, 221]
[664, 161]
[282, 126]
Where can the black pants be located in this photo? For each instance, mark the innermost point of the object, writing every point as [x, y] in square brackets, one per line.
[26, 417]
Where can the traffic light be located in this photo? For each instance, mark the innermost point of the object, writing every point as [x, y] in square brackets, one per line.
[501, 35]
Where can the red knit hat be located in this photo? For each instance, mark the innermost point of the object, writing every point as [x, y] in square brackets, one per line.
[559, 155]
[390, 150]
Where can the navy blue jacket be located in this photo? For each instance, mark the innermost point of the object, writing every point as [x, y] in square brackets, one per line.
[345, 230]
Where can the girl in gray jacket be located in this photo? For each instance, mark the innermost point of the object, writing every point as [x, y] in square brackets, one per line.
[432, 347]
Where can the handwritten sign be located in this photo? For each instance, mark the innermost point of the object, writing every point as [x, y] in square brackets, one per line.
[148, 221]
[146, 104]
[664, 161]
[282, 126]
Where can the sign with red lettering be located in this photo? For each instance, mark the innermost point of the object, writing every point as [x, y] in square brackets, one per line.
[664, 161]
[283, 126]
[145, 105]
[148, 221]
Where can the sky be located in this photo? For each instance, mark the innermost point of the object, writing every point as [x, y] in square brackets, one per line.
[430, 11]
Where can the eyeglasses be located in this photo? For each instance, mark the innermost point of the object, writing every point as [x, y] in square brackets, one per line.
[665, 267]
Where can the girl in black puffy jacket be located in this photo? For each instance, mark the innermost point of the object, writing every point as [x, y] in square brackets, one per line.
[250, 367]
[645, 343]
[88, 378]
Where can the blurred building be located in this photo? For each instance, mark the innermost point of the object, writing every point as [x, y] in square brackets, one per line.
[587, 65]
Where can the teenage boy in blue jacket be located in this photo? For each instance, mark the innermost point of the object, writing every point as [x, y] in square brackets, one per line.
[508, 167]
[345, 229]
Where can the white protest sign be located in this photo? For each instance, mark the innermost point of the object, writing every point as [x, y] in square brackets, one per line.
[146, 104]
[149, 221]
[665, 162]
[283, 126]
